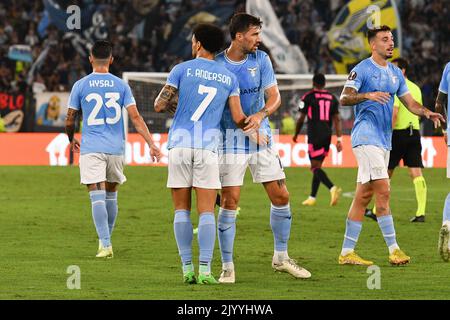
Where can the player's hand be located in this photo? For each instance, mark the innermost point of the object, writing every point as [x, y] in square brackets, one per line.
[339, 146]
[294, 138]
[155, 153]
[378, 96]
[253, 122]
[258, 138]
[75, 145]
[437, 118]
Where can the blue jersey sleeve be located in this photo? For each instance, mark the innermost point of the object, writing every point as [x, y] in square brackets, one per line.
[128, 98]
[402, 88]
[355, 78]
[234, 86]
[443, 86]
[74, 97]
[174, 77]
[267, 74]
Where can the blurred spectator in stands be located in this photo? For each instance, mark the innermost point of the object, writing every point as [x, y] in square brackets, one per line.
[287, 124]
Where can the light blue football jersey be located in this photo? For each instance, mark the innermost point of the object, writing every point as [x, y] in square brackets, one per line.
[101, 97]
[373, 120]
[255, 74]
[444, 87]
[204, 87]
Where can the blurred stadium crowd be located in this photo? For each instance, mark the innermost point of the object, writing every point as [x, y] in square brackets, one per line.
[137, 47]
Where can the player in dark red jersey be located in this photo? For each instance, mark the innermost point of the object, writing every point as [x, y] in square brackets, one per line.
[322, 109]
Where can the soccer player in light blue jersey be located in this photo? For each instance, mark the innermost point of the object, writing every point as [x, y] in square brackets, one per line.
[256, 77]
[101, 97]
[442, 99]
[371, 87]
[198, 91]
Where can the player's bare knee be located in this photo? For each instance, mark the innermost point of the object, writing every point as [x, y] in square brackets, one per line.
[383, 197]
[366, 197]
[229, 202]
[281, 198]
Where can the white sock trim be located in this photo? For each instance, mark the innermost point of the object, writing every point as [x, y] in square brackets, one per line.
[350, 238]
[346, 251]
[98, 201]
[228, 266]
[280, 208]
[393, 247]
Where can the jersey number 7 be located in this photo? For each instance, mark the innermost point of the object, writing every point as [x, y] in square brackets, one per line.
[211, 93]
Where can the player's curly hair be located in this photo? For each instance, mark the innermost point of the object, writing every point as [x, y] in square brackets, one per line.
[210, 36]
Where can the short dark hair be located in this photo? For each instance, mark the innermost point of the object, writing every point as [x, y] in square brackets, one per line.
[101, 49]
[319, 80]
[371, 33]
[210, 36]
[241, 22]
[402, 63]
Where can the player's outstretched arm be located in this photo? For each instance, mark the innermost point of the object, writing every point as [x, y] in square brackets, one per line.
[70, 129]
[167, 100]
[142, 129]
[440, 106]
[350, 97]
[338, 125]
[420, 110]
[299, 126]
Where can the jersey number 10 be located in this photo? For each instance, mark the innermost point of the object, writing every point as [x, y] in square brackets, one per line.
[210, 94]
[112, 97]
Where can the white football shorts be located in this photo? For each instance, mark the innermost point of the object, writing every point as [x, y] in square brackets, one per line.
[373, 163]
[99, 167]
[265, 166]
[193, 168]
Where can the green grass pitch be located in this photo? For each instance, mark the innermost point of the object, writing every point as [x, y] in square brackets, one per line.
[46, 226]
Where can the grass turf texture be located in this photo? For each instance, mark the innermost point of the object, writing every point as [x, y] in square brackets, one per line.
[46, 226]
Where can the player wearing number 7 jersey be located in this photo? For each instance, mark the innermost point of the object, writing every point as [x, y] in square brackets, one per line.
[101, 97]
[204, 87]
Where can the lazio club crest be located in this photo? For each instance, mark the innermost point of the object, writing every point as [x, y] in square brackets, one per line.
[252, 71]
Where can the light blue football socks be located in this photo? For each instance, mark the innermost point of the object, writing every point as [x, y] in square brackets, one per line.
[182, 227]
[352, 231]
[386, 224]
[446, 212]
[100, 216]
[280, 222]
[206, 239]
[112, 209]
[226, 230]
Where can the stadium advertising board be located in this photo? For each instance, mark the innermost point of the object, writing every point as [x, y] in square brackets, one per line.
[53, 149]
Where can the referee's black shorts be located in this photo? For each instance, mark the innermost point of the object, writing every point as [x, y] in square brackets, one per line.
[406, 146]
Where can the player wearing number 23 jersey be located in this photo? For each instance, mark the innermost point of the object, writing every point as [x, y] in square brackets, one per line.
[101, 96]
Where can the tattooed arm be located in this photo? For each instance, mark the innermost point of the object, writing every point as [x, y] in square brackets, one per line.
[167, 99]
[350, 96]
[70, 128]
